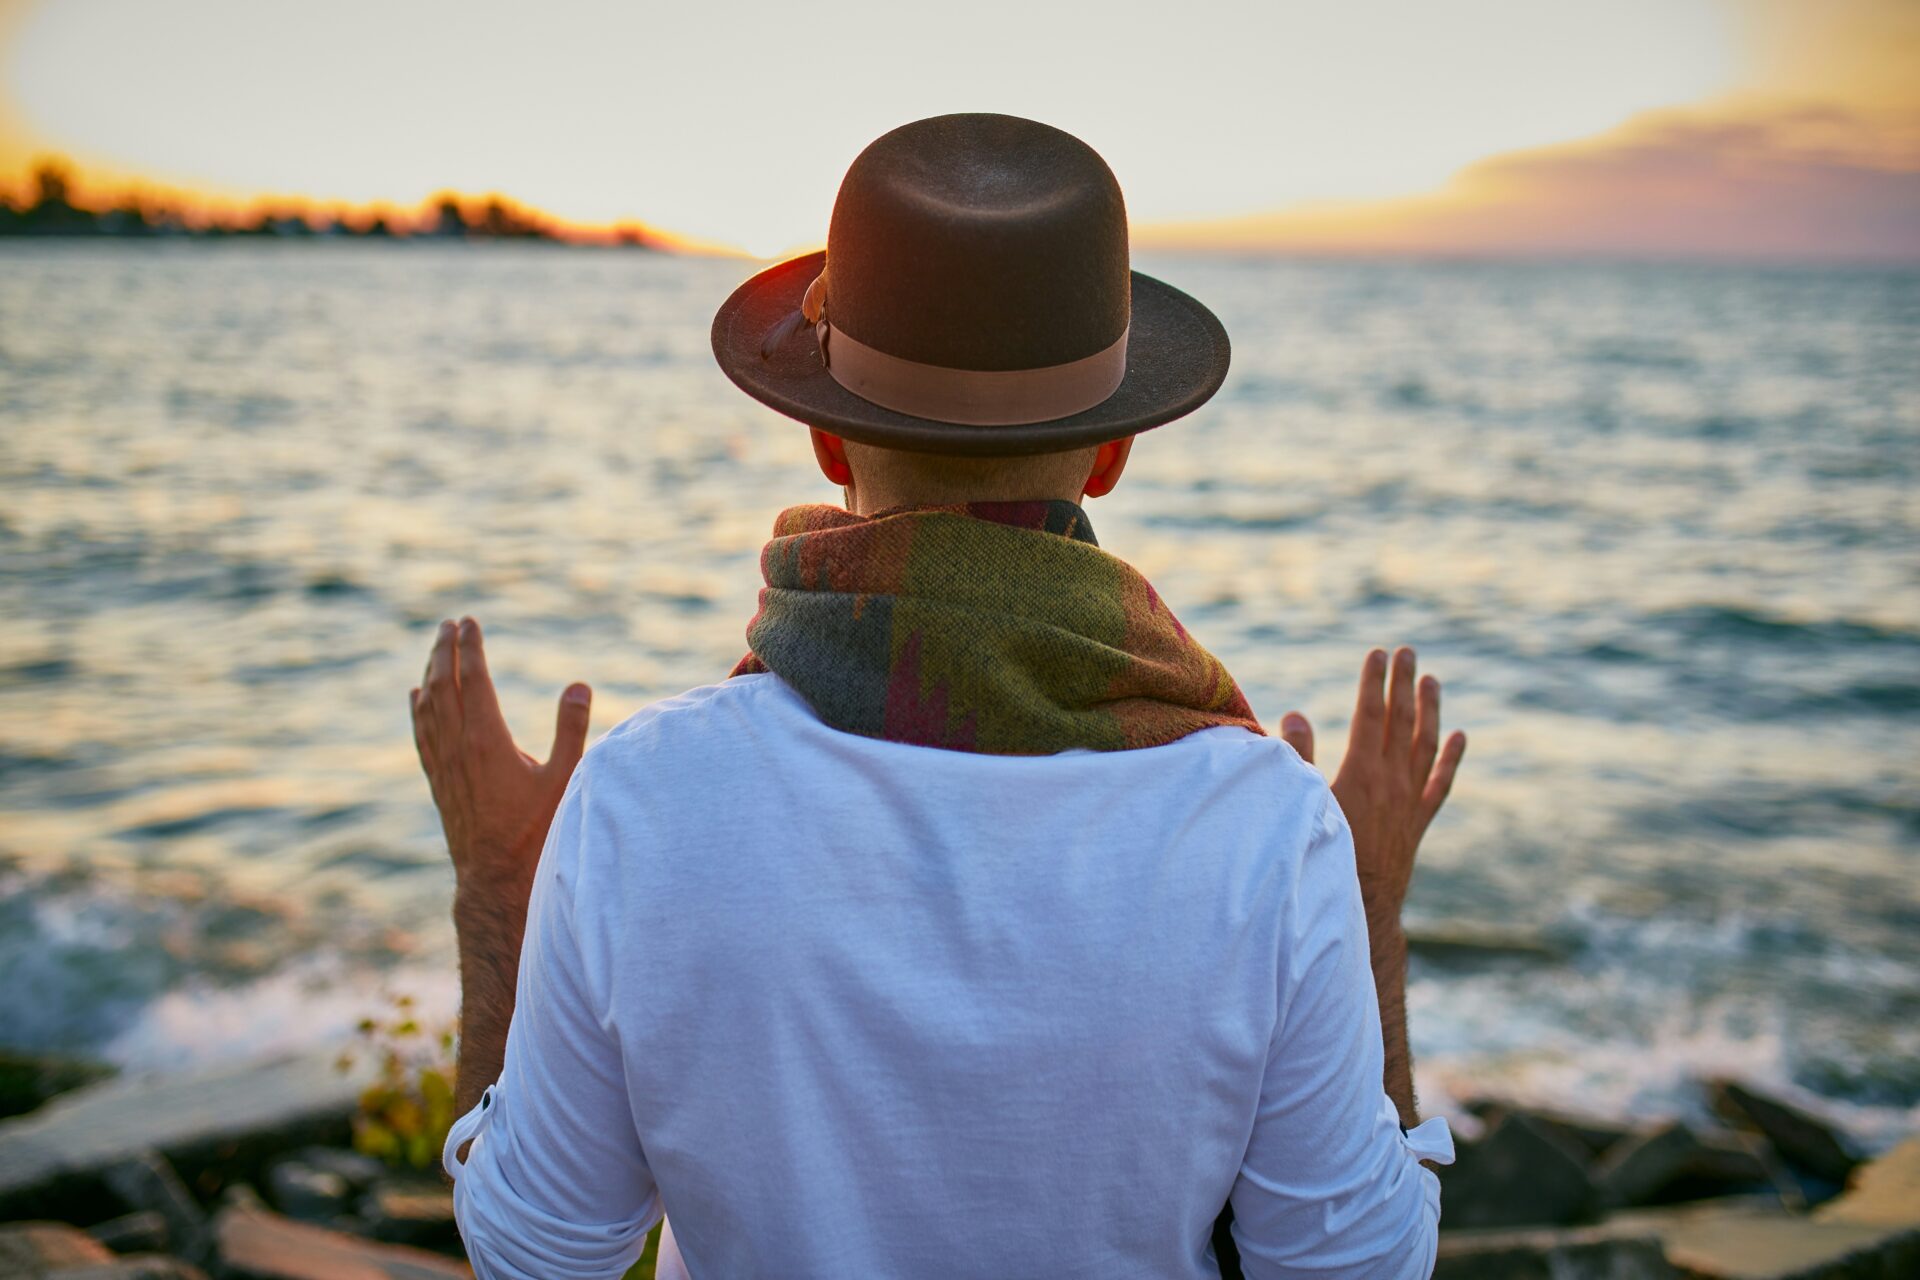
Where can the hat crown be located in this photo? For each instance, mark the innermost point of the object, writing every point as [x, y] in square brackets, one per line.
[980, 241]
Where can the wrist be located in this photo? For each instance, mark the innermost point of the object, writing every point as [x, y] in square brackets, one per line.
[1384, 929]
[488, 901]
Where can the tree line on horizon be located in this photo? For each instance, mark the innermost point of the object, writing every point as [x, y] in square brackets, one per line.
[49, 208]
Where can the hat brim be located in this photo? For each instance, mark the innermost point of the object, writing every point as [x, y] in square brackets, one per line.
[1177, 357]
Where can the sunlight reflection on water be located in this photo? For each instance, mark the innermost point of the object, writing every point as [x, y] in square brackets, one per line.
[1653, 527]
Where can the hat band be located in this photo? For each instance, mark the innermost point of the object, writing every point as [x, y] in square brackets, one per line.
[972, 397]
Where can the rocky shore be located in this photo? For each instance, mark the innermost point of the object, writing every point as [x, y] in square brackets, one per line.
[244, 1173]
[1766, 1192]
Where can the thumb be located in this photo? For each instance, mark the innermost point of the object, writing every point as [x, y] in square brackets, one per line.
[570, 728]
[1298, 734]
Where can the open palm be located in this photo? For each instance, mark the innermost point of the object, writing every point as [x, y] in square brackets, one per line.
[496, 801]
[1395, 775]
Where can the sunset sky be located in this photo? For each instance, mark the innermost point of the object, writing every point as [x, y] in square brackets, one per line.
[1786, 128]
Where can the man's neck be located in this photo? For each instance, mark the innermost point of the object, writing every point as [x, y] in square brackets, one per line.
[870, 499]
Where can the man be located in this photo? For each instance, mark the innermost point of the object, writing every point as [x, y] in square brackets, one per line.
[972, 925]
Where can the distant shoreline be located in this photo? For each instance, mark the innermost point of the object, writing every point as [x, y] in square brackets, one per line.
[1701, 266]
[399, 244]
[50, 211]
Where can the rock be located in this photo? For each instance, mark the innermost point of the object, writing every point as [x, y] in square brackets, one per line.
[142, 1232]
[31, 1249]
[146, 1182]
[27, 1081]
[360, 1172]
[1580, 1253]
[299, 1190]
[1591, 1133]
[1885, 1192]
[1732, 1244]
[146, 1266]
[1803, 1141]
[55, 1251]
[1465, 945]
[1674, 1162]
[257, 1244]
[209, 1126]
[1519, 1174]
[419, 1214]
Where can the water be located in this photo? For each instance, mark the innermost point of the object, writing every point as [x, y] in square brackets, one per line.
[1654, 527]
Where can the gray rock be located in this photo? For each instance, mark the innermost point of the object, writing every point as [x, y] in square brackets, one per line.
[1471, 945]
[1803, 1141]
[142, 1232]
[1579, 1130]
[359, 1172]
[1519, 1174]
[416, 1213]
[1578, 1253]
[206, 1125]
[299, 1190]
[1676, 1162]
[146, 1182]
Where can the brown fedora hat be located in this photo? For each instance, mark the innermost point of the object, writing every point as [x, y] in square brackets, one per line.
[975, 297]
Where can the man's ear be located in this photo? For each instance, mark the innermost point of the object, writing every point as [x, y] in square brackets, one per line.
[1107, 466]
[830, 452]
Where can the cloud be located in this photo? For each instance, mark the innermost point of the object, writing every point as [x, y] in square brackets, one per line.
[1748, 180]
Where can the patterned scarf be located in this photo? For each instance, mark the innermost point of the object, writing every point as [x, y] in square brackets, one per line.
[999, 627]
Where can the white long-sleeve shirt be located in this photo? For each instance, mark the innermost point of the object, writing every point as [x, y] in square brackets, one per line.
[846, 1007]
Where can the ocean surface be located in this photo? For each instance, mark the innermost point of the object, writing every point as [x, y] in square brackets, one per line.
[1655, 527]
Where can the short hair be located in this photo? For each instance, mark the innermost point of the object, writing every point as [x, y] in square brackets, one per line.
[939, 477]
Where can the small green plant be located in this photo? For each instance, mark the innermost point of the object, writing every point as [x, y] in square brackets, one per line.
[405, 1113]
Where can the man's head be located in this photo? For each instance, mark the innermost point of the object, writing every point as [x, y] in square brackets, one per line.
[876, 479]
[981, 287]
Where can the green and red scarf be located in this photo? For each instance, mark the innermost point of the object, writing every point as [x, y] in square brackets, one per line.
[999, 627]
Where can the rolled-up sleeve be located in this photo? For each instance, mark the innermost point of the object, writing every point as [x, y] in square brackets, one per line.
[555, 1185]
[1331, 1186]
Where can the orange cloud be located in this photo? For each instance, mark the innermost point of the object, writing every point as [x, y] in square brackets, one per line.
[1741, 181]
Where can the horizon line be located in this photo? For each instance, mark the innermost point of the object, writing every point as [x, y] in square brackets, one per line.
[448, 214]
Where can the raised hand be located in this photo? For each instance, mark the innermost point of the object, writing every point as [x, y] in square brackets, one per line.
[496, 801]
[1395, 775]
[1393, 780]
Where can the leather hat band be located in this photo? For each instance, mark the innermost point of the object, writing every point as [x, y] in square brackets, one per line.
[975, 397]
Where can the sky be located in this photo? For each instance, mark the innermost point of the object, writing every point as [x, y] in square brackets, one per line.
[1692, 127]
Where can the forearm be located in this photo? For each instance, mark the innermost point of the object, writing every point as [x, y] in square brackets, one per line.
[489, 928]
[1387, 945]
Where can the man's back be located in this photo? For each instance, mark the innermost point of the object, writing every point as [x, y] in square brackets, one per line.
[857, 1007]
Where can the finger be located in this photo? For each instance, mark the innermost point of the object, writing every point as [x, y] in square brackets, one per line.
[439, 690]
[570, 728]
[1400, 701]
[1298, 734]
[479, 704]
[439, 676]
[419, 728]
[1441, 782]
[427, 672]
[426, 741]
[1370, 709]
[1426, 727]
